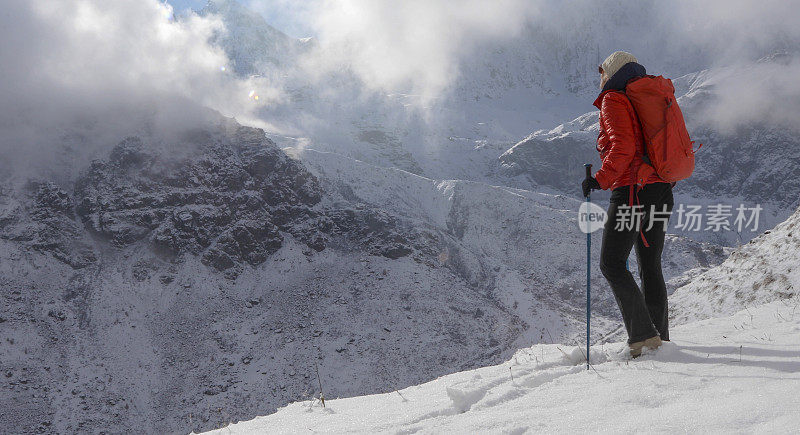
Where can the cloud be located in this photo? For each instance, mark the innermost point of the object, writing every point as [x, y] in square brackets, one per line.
[81, 74]
[765, 92]
[427, 46]
[733, 30]
[755, 50]
[414, 45]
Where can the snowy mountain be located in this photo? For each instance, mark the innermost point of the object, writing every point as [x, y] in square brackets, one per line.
[212, 272]
[533, 79]
[172, 280]
[519, 246]
[253, 46]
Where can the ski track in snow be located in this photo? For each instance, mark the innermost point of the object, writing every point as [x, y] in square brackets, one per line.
[732, 374]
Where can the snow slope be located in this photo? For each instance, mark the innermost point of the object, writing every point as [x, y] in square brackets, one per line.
[715, 377]
[764, 270]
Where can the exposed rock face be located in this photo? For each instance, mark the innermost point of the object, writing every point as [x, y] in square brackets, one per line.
[544, 157]
[230, 202]
[757, 163]
[42, 217]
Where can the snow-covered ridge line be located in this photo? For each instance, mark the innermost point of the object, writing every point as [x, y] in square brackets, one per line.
[383, 186]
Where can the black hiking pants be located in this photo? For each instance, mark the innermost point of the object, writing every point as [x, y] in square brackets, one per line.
[644, 311]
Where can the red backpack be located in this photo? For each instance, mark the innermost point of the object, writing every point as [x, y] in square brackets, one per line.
[667, 143]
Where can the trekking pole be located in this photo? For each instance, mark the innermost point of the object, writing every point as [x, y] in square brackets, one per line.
[588, 167]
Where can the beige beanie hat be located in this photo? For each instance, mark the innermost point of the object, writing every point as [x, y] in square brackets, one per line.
[613, 63]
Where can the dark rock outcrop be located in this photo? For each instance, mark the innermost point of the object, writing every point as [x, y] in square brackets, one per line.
[41, 216]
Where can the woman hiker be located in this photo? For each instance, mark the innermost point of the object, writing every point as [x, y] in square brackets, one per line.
[621, 147]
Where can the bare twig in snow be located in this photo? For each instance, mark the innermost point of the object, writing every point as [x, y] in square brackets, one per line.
[779, 316]
[319, 380]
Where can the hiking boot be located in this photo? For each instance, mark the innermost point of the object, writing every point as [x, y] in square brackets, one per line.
[636, 348]
[653, 342]
[650, 343]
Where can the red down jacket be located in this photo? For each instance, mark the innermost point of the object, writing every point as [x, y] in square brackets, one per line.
[620, 143]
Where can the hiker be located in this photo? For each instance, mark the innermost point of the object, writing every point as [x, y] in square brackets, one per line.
[621, 146]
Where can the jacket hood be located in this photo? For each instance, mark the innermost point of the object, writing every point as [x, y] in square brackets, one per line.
[620, 79]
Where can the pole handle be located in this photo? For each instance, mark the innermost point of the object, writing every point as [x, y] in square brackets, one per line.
[588, 167]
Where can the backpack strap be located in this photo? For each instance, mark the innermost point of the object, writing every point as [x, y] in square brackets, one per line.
[645, 158]
[634, 194]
